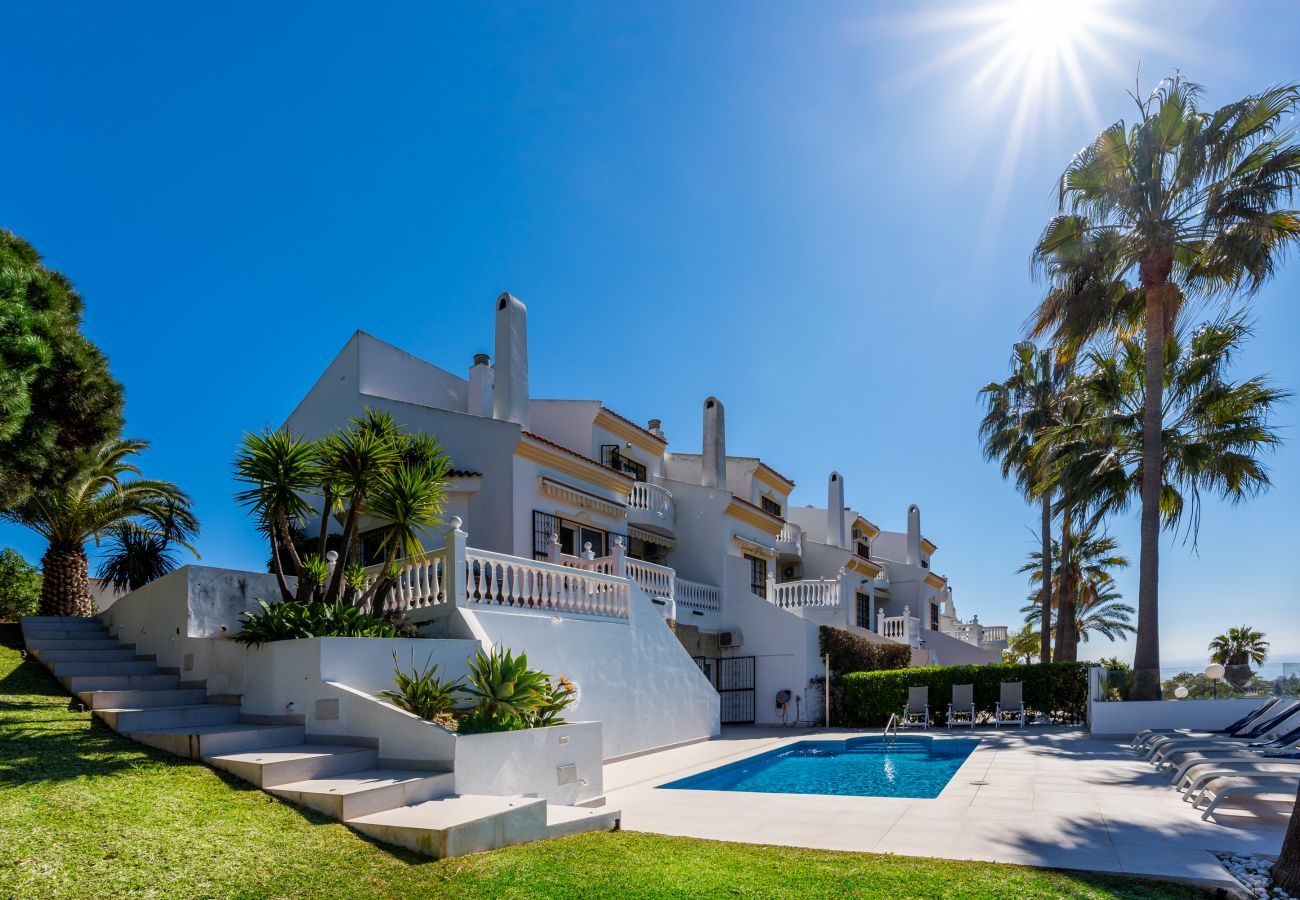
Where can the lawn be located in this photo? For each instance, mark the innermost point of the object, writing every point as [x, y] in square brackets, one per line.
[86, 813]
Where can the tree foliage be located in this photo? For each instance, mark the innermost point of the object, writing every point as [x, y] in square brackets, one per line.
[58, 402]
[20, 585]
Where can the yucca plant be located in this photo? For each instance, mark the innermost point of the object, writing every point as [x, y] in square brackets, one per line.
[313, 576]
[421, 692]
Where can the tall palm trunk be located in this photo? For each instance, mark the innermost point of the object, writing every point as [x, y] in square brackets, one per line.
[1286, 871]
[1045, 594]
[1146, 657]
[1067, 625]
[65, 588]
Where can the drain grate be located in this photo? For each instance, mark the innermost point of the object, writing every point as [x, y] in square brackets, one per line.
[981, 783]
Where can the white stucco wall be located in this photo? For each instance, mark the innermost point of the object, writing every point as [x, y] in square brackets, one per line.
[633, 676]
[1127, 718]
[529, 762]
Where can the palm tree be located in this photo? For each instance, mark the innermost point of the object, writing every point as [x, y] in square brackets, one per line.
[1086, 575]
[1239, 647]
[410, 499]
[98, 501]
[136, 555]
[280, 470]
[1017, 412]
[1214, 431]
[1185, 204]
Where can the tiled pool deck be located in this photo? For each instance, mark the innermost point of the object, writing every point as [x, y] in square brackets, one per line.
[1042, 797]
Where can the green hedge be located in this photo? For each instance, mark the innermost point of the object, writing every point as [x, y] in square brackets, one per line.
[1058, 689]
[850, 653]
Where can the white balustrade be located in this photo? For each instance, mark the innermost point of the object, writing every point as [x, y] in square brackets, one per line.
[790, 534]
[809, 592]
[994, 633]
[905, 628]
[419, 584]
[497, 579]
[694, 595]
[655, 580]
[653, 499]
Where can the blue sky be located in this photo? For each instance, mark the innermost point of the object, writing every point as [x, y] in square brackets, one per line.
[820, 213]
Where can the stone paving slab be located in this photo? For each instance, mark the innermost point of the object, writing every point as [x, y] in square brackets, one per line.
[1043, 796]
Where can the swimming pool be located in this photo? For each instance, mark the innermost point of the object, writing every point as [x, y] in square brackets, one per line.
[913, 767]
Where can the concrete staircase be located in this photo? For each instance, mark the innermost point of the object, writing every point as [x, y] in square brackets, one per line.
[417, 809]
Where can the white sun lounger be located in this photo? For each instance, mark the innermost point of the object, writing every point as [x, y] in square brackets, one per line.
[1200, 775]
[1161, 750]
[1245, 756]
[916, 714]
[961, 711]
[1216, 790]
[1011, 705]
[1146, 735]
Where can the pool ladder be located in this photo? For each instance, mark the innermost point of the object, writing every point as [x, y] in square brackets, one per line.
[892, 723]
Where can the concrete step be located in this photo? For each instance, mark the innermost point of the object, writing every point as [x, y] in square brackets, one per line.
[39, 648]
[60, 634]
[562, 821]
[159, 717]
[198, 741]
[66, 668]
[65, 622]
[283, 765]
[362, 793]
[77, 684]
[455, 826]
[53, 656]
[141, 699]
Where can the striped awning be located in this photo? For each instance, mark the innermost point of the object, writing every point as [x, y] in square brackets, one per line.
[752, 546]
[651, 538]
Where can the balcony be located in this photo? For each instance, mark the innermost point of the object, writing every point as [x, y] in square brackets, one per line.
[790, 541]
[805, 593]
[651, 507]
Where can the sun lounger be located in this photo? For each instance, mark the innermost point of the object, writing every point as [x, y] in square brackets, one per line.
[961, 711]
[1198, 775]
[1011, 705]
[1286, 746]
[1264, 731]
[1148, 734]
[916, 714]
[1216, 790]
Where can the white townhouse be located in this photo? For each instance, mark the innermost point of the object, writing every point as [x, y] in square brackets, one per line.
[743, 579]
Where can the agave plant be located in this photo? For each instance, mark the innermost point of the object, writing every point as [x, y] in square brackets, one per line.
[505, 689]
[558, 697]
[292, 621]
[421, 692]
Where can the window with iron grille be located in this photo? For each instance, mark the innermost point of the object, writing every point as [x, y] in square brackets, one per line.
[574, 536]
[757, 575]
[864, 550]
[934, 616]
[864, 611]
[544, 525]
[770, 505]
[612, 456]
[373, 550]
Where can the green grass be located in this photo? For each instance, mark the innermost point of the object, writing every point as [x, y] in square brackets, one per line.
[86, 813]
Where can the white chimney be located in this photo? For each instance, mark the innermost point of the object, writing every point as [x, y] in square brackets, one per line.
[480, 385]
[835, 510]
[914, 535]
[655, 427]
[714, 463]
[510, 374]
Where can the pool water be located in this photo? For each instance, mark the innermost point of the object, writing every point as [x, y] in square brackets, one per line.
[912, 767]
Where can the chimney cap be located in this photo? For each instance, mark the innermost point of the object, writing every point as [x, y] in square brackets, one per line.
[482, 359]
[653, 424]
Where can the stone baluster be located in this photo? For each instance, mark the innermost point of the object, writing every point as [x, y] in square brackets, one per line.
[455, 571]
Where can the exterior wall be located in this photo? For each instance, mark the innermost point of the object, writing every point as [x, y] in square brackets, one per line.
[528, 763]
[633, 676]
[684, 467]
[784, 646]
[701, 545]
[386, 371]
[528, 496]
[568, 423]
[696, 642]
[1124, 719]
[947, 650]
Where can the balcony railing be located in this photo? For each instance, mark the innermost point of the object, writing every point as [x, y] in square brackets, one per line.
[652, 502]
[994, 633]
[809, 592]
[497, 579]
[905, 628]
[790, 534]
[694, 595]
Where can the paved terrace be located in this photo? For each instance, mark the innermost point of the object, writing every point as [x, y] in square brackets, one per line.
[1041, 797]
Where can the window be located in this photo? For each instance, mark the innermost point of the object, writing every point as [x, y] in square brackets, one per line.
[864, 611]
[864, 550]
[757, 575]
[372, 546]
[934, 616]
[770, 505]
[574, 536]
[616, 459]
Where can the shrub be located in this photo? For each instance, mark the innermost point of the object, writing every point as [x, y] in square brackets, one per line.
[421, 692]
[556, 699]
[292, 621]
[510, 696]
[1059, 690]
[850, 653]
[20, 586]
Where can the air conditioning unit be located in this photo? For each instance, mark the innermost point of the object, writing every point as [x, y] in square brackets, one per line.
[788, 573]
[730, 639]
